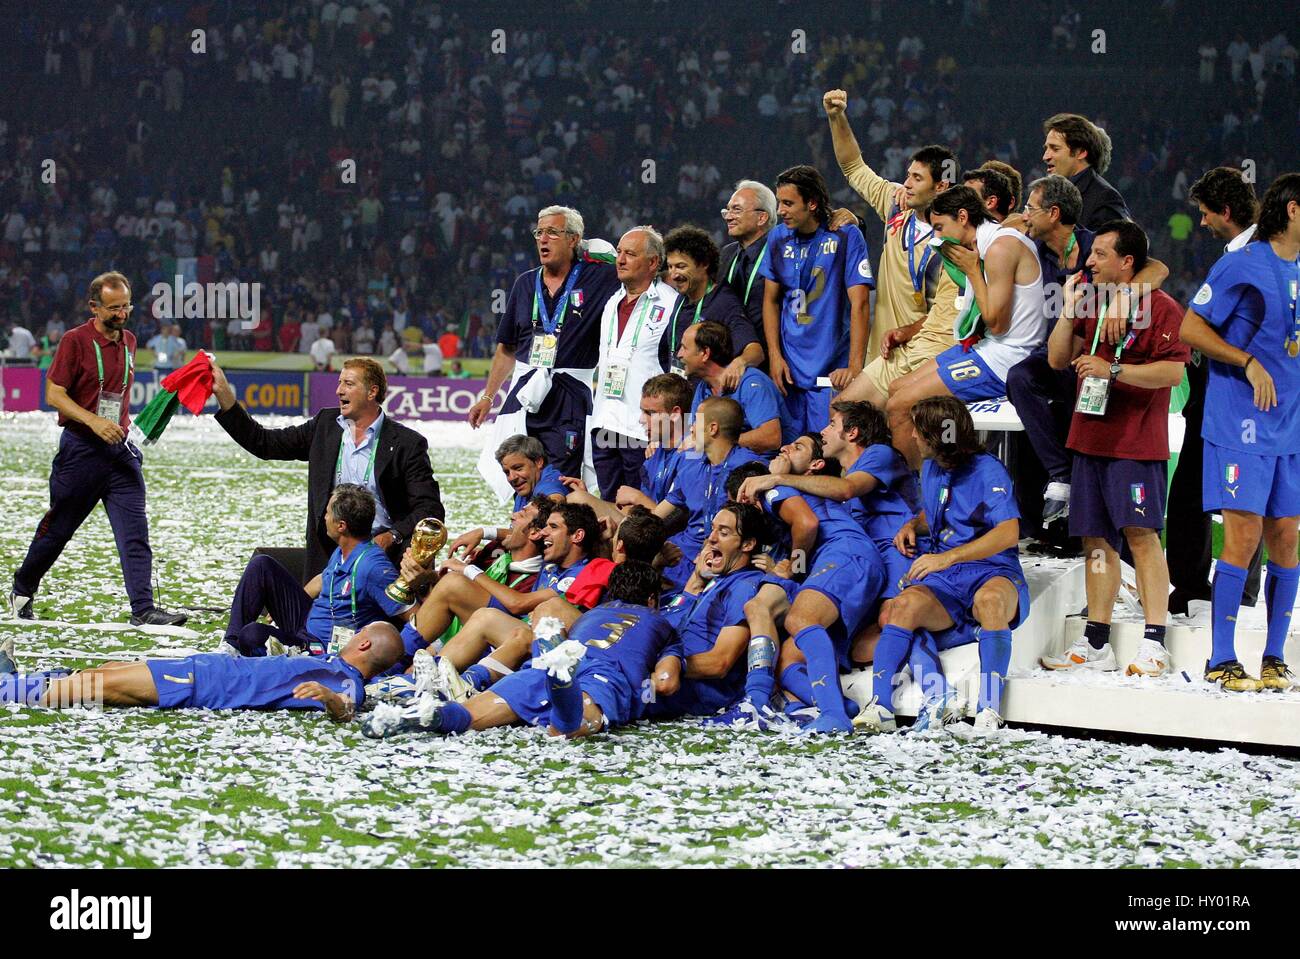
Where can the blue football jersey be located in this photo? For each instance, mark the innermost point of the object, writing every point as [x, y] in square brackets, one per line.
[759, 400]
[627, 637]
[554, 577]
[1252, 297]
[815, 273]
[963, 505]
[836, 526]
[698, 621]
[893, 502]
[268, 682]
[701, 488]
[658, 473]
[352, 592]
[548, 483]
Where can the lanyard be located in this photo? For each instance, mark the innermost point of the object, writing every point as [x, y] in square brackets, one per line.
[1069, 247]
[370, 465]
[1292, 302]
[553, 325]
[910, 241]
[99, 361]
[613, 329]
[752, 273]
[672, 335]
[1096, 336]
[356, 565]
[700, 305]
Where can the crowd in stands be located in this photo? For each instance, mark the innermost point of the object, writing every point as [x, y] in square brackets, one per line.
[225, 162]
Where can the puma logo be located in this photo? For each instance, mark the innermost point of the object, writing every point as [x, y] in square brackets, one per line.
[1233, 491]
[817, 682]
[1140, 510]
[1165, 335]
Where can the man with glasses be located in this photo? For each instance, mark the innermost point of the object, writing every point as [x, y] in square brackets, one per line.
[749, 214]
[548, 346]
[89, 384]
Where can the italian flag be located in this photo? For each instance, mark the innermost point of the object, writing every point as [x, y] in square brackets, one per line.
[190, 386]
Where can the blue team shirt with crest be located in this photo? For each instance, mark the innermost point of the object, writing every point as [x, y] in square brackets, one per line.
[893, 502]
[1251, 299]
[823, 266]
[333, 607]
[964, 504]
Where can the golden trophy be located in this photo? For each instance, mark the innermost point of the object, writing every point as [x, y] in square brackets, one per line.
[429, 537]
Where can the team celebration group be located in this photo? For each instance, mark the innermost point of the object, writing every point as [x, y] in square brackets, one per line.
[737, 475]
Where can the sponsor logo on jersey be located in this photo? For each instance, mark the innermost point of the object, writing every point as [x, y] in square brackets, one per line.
[575, 299]
[1232, 473]
[1138, 492]
[1203, 295]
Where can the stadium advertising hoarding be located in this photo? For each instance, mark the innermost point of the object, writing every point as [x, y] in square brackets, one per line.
[412, 397]
[260, 392]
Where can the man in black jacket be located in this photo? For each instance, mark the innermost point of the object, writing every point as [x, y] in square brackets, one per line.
[387, 458]
[1075, 147]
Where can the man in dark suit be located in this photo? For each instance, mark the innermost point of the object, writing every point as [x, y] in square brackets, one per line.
[351, 443]
[1077, 148]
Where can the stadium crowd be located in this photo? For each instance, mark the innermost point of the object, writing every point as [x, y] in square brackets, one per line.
[739, 469]
[433, 223]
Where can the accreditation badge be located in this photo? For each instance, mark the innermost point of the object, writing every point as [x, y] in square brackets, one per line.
[110, 406]
[615, 382]
[543, 350]
[340, 636]
[1093, 396]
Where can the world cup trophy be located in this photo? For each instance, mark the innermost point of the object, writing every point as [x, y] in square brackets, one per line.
[429, 537]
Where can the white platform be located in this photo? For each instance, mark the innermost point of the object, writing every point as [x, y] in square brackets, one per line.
[1181, 705]
[999, 416]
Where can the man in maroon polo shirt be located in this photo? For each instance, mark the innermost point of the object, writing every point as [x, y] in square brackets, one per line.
[1120, 436]
[89, 384]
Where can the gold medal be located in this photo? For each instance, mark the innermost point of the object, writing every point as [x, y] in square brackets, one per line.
[1293, 348]
[548, 341]
[803, 319]
[918, 299]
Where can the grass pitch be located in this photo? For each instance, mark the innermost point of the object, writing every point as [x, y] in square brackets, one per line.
[144, 788]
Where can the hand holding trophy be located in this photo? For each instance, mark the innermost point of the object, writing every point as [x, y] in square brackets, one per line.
[428, 538]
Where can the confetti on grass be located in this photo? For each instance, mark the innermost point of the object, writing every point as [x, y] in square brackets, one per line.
[144, 788]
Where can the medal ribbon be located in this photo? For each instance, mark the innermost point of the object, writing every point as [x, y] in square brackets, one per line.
[549, 324]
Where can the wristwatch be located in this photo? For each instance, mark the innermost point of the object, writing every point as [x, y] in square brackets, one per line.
[1114, 370]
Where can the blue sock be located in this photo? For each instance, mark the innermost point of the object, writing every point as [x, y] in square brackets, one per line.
[823, 670]
[927, 670]
[412, 641]
[566, 703]
[455, 718]
[24, 688]
[1229, 584]
[1279, 593]
[478, 676]
[891, 652]
[794, 680]
[760, 680]
[995, 658]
